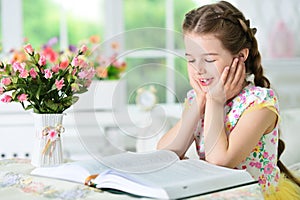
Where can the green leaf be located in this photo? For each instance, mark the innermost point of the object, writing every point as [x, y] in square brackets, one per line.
[82, 90]
[254, 154]
[67, 101]
[36, 57]
[75, 99]
[52, 106]
[37, 94]
[29, 107]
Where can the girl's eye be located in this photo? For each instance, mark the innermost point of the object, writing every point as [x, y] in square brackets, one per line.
[209, 60]
[191, 60]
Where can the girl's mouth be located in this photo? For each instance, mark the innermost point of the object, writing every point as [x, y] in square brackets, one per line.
[205, 81]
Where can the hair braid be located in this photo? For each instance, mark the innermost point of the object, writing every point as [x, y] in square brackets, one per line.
[254, 60]
[282, 167]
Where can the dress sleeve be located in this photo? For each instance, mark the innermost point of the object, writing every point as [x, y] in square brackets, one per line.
[189, 98]
[264, 99]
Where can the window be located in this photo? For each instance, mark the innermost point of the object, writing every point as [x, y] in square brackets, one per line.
[153, 38]
[70, 21]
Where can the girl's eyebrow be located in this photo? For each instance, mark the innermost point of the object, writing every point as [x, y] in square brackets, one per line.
[204, 54]
[210, 54]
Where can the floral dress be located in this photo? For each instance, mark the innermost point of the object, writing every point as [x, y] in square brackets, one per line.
[262, 161]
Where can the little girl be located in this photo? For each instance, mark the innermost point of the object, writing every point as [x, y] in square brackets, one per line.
[233, 122]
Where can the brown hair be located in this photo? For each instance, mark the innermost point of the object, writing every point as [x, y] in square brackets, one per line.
[230, 26]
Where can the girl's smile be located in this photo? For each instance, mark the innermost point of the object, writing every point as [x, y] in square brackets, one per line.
[206, 81]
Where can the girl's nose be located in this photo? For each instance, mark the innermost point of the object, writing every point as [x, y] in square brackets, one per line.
[200, 68]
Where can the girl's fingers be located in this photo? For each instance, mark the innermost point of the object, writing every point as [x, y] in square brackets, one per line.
[195, 83]
[232, 71]
[240, 74]
[224, 75]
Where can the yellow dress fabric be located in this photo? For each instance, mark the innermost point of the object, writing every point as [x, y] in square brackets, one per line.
[286, 190]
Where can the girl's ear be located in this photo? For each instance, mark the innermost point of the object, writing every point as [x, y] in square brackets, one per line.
[244, 54]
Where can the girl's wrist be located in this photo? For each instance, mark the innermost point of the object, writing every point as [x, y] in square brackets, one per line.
[212, 100]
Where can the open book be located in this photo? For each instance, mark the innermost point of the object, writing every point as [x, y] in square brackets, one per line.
[159, 174]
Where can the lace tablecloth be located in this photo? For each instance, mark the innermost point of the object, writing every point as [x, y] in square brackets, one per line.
[17, 183]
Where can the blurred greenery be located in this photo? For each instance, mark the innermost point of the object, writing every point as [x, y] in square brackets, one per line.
[152, 13]
[145, 72]
[182, 85]
[42, 22]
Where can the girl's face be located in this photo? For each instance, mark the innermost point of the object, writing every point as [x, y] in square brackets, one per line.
[206, 59]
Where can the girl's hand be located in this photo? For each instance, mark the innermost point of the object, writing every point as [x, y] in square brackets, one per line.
[200, 94]
[236, 78]
[231, 82]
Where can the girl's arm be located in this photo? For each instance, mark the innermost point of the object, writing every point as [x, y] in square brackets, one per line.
[180, 137]
[232, 150]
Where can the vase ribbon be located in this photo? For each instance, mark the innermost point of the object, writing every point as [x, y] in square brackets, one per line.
[52, 133]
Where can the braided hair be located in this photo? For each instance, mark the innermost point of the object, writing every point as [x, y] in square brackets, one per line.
[230, 26]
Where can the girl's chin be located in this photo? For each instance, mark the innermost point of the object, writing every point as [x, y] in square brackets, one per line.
[206, 88]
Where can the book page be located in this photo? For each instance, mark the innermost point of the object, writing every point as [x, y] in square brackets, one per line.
[190, 170]
[193, 177]
[129, 162]
[125, 162]
[74, 171]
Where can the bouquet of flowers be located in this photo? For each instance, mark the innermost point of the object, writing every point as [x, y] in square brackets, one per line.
[45, 81]
[107, 67]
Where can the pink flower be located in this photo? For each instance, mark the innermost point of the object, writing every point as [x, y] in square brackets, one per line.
[6, 99]
[33, 73]
[50, 54]
[82, 74]
[274, 140]
[59, 84]
[1, 90]
[22, 97]
[28, 49]
[91, 73]
[252, 164]
[83, 49]
[74, 72]
[48, 73]
[258, 165]
[87, 83]
[64, 64]
[265, 155]
[262, 180]
[260, 144]
[268, 168]
[55, 68]
[83, 64]
[24, 74]
[272, 157]
[6, 81]
[271, 93]
[52, 135]
[18, 66]
[42, 60]
[75, 62]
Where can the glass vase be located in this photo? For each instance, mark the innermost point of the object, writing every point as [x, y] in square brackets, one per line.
[47, 150]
